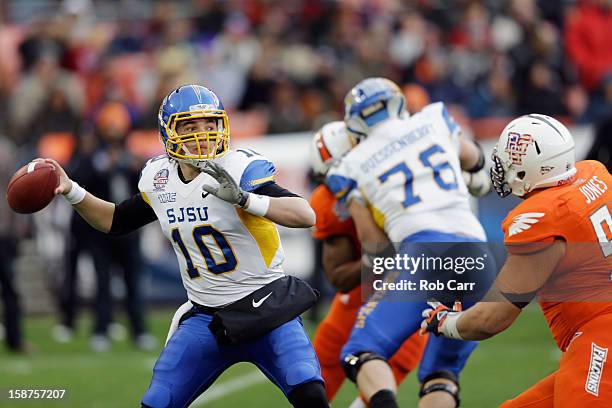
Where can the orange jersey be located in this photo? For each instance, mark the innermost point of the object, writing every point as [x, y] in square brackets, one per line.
[333, 218]
[580, 287]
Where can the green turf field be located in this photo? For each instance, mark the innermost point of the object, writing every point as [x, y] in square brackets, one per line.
[499, 369]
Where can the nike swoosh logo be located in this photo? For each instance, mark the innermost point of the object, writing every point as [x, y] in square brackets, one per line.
[257, 304]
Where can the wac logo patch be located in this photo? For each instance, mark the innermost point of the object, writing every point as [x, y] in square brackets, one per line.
[517, 146]
[598, 358]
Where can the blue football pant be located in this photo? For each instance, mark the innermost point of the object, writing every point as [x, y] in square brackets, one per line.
[384, 322]
[192, 360]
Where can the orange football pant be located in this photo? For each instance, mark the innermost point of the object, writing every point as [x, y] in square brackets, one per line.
[584, 377]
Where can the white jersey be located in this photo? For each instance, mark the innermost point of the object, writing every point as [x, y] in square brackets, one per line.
[409, 173]
[224, 253]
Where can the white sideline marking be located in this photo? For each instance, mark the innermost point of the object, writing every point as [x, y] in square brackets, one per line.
[220, 390]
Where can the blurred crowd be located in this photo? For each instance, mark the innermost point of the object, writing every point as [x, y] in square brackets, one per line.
[84, 74]
[291, 62]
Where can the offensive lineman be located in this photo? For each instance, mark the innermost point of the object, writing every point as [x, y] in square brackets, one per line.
[218, 208]
[341, 258]
[404, 177]
[558, 242]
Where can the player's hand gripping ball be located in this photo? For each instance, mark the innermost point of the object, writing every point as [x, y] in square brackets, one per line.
[33, 187]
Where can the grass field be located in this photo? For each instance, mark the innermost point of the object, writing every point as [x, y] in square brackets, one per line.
[499, 369]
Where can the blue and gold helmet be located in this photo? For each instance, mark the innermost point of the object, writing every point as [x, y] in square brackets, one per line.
[370, 102]
[188, 103]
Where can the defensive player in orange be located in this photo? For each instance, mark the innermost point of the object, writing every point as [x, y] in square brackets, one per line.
[558, 242]
[342, 264]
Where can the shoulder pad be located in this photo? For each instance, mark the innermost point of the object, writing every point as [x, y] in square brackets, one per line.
[151, 169]
[340, 179]
[249, 168]
[533, 222]
[340, 186]
[257, 173]
[439, 110]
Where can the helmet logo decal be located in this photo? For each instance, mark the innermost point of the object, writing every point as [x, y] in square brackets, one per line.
[322, 148]
[546, 169]
[196, 90]
[517, 146]
[201, 106]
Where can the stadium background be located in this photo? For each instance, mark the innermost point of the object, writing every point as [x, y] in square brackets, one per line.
[80, 78]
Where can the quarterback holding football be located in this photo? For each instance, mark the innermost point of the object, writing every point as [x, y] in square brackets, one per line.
[218, 208]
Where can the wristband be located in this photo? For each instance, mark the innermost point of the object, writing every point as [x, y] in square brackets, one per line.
[257, 204]
[449, 328]
[76, 193]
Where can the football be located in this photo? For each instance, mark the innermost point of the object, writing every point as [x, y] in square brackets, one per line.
[31, 188]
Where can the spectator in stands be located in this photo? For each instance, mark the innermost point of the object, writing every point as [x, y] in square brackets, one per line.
[55, 115]
[232, 54]
[285, 110]
[32, 93]
[601, 113]
[39, 42]
[493, 97]
[588, 40]
[543, 92]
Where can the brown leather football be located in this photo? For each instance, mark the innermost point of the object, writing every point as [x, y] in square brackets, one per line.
[31, 188]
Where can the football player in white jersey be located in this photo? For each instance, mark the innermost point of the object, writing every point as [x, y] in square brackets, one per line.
[405, 177]
[218, 207]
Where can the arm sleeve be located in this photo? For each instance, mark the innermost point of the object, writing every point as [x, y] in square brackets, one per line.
[130, 215]
[273, 190]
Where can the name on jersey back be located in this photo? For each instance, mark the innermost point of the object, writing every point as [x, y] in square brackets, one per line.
[395, 146]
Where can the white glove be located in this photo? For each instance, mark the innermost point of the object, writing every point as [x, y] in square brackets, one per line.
[227, 190]
[479, 183]
[184, 308]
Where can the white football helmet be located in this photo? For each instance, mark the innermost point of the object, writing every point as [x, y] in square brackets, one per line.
[534, 151]
[329, 144]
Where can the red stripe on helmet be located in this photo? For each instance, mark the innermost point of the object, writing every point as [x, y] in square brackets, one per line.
[323, 151]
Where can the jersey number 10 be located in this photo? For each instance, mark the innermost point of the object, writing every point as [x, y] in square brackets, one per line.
[199, 233]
